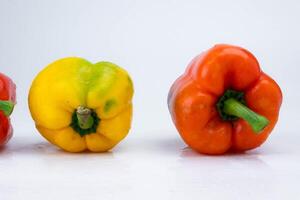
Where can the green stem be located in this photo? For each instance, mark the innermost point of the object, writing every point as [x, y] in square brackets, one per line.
[84, 116]
[7, 107]
[235, 108]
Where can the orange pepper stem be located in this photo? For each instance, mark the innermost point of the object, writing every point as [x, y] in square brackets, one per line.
[235, 108]
[7, 107]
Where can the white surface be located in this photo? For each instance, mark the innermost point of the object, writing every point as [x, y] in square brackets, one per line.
[154, 41]
[158, 167]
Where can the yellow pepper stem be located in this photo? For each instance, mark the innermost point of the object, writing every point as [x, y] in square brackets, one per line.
[84, 116]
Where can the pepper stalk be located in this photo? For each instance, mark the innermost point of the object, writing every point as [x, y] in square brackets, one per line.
[232, 106]
[7, 107]
[235, 108]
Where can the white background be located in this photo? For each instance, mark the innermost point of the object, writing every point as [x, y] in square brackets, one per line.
[154, 41]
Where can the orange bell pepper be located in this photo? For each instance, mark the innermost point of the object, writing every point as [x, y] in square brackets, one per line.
[224, 102]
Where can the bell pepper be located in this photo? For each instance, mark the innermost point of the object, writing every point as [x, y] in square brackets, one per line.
[79, 106]
[224, 101]
[7, 102]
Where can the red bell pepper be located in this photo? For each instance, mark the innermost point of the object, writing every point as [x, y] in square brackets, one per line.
[7, 102]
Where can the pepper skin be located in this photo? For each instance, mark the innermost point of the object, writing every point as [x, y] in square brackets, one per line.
[81, 106]
[7, 102]
[224, 102]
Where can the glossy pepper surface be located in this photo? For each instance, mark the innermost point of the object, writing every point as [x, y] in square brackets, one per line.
[80, 106]
[7, 102]
[224, 101]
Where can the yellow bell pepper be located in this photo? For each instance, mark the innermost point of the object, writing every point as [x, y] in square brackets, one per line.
[78, 106]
